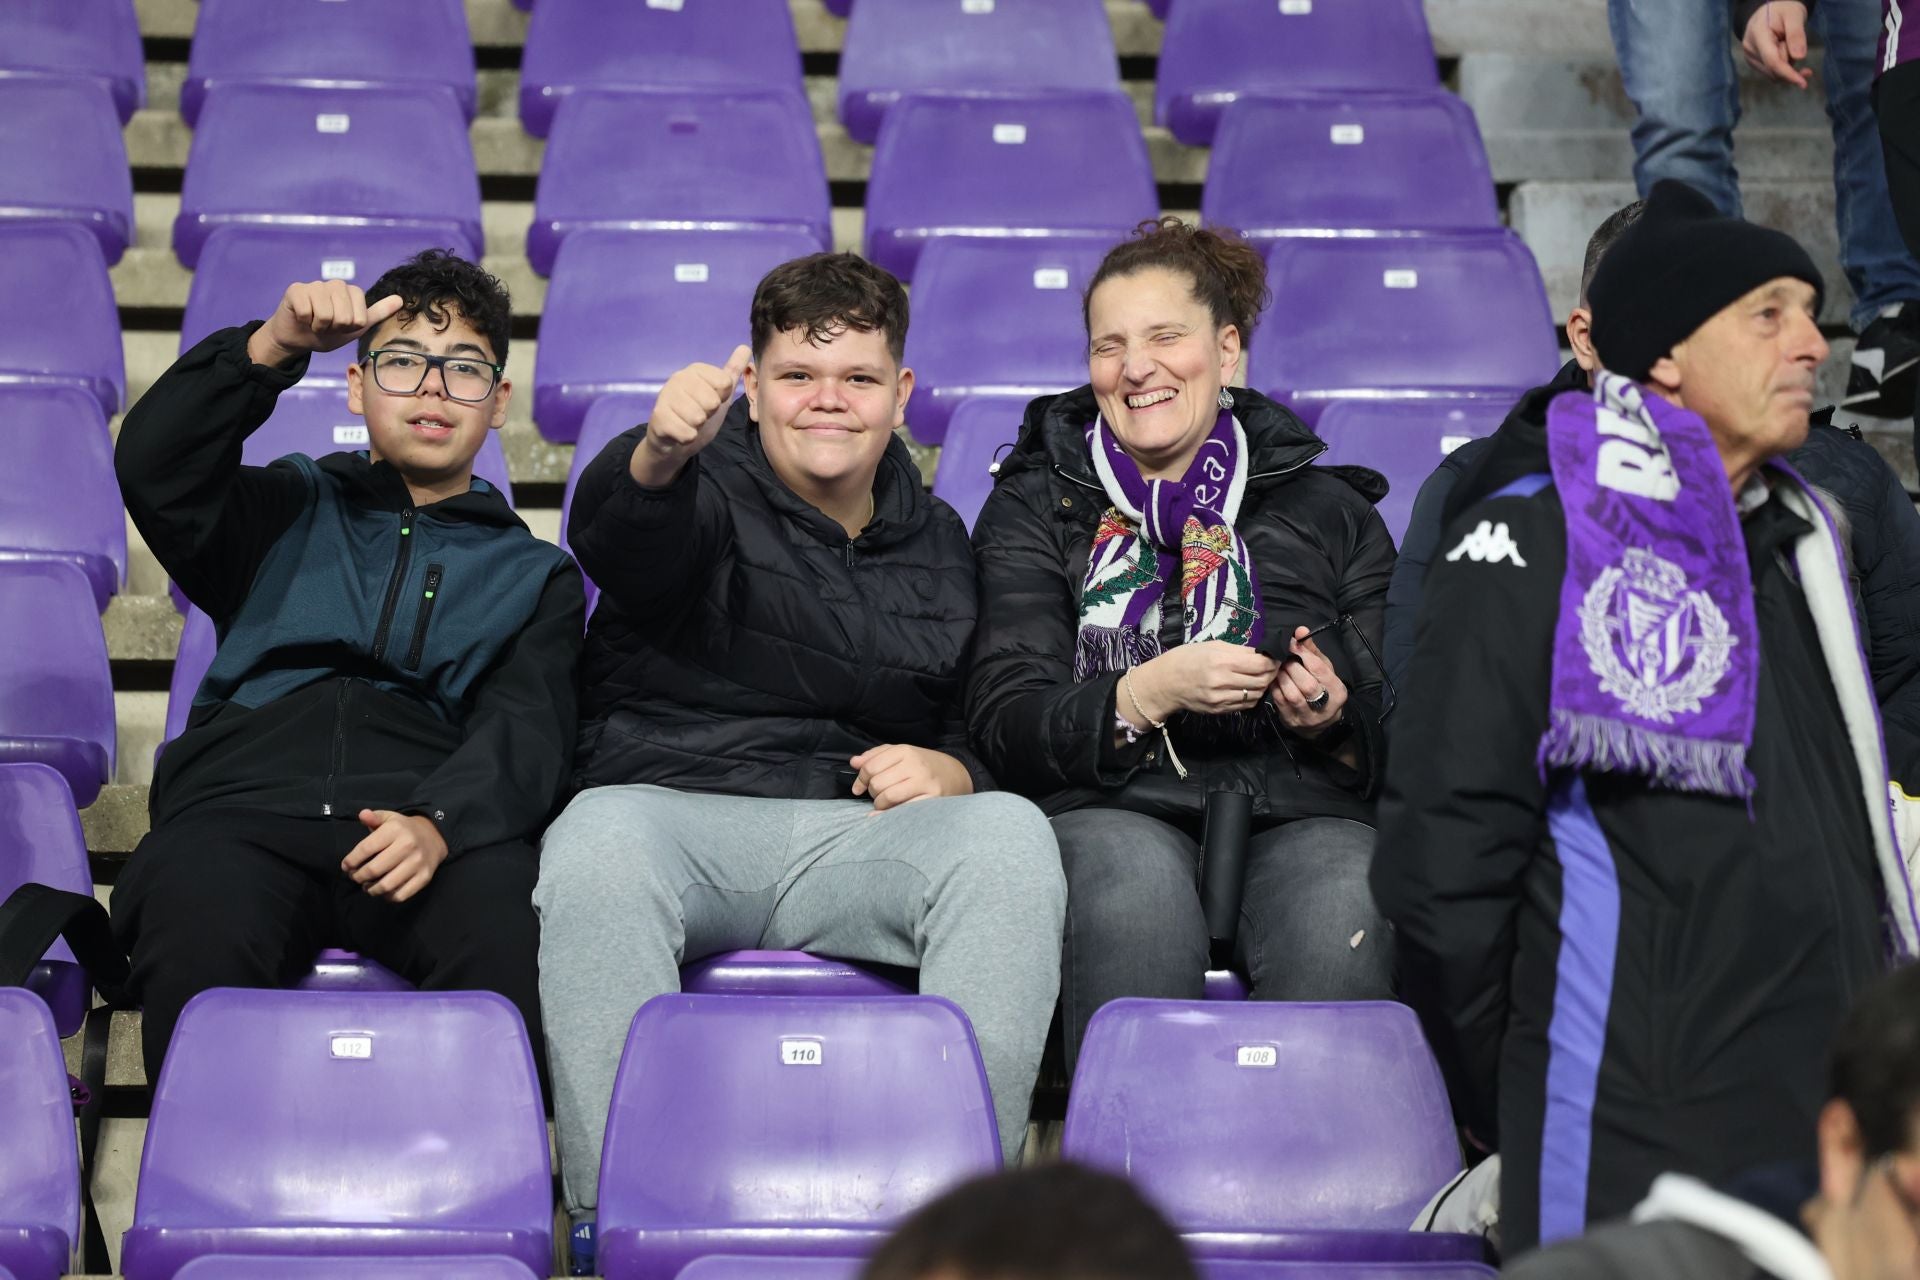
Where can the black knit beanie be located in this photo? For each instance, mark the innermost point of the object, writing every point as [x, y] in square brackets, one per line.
[1674, 269]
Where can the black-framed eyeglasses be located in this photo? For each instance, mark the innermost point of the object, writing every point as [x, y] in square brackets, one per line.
[400, 372]
[1889, 1165]
[1345, 622]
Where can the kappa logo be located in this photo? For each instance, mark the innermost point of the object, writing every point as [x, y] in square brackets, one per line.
[1489, 544]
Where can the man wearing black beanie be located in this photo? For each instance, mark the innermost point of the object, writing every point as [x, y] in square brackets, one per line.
[1635, 835]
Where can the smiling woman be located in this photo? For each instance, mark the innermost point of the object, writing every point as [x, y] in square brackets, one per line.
[1176, 604]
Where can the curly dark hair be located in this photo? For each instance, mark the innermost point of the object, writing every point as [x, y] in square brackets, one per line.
[1875, 1063]
[434, 280]
[1229, 276]
[826, 293]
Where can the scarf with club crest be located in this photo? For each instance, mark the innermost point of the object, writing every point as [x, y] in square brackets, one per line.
[1154, 527]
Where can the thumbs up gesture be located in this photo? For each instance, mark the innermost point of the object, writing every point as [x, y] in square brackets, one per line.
[317, 316]
[686, 416]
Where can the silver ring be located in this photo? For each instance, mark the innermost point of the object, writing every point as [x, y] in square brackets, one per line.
[1318, 700]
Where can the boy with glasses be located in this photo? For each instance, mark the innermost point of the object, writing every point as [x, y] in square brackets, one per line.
[389, 718]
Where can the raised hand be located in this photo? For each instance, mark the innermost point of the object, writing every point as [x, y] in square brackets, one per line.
[317, 316]
[1211, 677]
[686, 417]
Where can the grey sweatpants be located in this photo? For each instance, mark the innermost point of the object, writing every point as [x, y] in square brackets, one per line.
[638, 880]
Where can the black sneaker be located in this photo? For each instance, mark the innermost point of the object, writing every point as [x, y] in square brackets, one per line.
[1886, 365]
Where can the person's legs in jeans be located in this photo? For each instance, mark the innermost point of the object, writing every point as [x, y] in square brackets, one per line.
[218, 900]
[1676, 57]
[634, 881]
[1134, 925]
[1878, 264]
[471, 929]
[1308, 926]
[968, 889]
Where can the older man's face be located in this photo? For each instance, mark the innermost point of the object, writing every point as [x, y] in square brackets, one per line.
[1749, 372]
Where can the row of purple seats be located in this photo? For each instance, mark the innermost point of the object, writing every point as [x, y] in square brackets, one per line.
[862, 1109]
[1213, 52]
[96, 40]
[1405, 440]
[41, 843]
[304, 155]
[62, 157]
[40, 1176]
[330, 44]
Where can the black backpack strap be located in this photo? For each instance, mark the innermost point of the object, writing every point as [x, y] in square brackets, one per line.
[35, 914]
[30, 919]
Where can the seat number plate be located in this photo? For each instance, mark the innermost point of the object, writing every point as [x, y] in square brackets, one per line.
[1256, 1055]
[801, 1053]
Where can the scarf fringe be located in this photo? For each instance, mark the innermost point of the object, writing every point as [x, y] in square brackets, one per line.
[1578, 741]
[1103, 649]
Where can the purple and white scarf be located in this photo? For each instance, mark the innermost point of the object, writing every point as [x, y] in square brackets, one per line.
[1128, 574]
[1655, 659]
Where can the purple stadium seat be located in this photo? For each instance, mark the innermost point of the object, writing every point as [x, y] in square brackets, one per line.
[1355, 1132]
[418, 1131]
[662, 44]
[606, 418]
[995, 318]
[92, 39]
[724, 1111]
[75, 343]
[970, 46]
[1224, 984]
[783, 973]
[62, 156]
[627, 309]
[277, 153]
[223, 1266]
[1217, 50]
[56, 690]
[58, 434]
[40, 1177]
[1239, 1270]
[244, 270]
[334, 44]
[1401, 317]
[1313, 162]
[1404, 440]
[691, 160]
[1064, 165]
[336, 970]
[738, 1267]
[978, 434]
[190, 663]
[41, 843]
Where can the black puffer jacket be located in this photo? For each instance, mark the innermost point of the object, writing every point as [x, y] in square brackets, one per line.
[743, 644]
[1321, 551]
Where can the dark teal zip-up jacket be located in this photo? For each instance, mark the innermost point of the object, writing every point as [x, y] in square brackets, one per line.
[372, 655]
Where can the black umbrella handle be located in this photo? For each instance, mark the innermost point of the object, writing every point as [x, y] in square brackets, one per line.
[1223, 869]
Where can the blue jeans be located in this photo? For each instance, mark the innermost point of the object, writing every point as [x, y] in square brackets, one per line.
[1677, 58]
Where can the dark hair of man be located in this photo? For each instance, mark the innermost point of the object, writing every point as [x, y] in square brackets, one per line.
[1875, 1067]
[1049, 1222]
[434, 281]
[826, 294]
[1228, 276]
[1602, 240]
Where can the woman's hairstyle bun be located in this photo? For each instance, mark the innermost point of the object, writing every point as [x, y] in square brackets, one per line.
[1228, 275]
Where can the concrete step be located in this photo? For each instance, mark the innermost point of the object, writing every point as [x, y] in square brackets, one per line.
[1510, 92]
[1557, 218]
